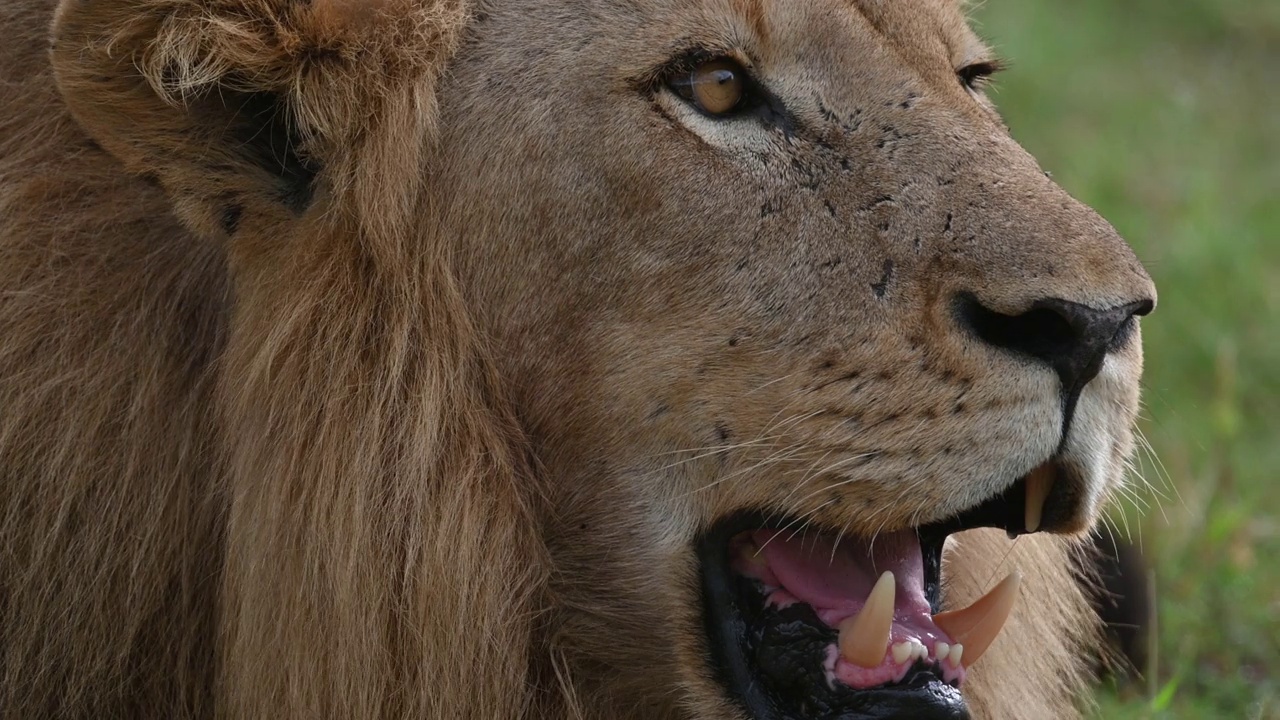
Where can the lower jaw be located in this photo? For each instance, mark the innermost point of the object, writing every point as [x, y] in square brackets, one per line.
[773, 662]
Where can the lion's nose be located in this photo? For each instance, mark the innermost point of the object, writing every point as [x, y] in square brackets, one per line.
[1069, 337]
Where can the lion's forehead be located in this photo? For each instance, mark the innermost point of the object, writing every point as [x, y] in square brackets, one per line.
[845, 38]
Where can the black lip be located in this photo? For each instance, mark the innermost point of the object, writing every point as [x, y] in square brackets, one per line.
[793, 690]
[1006, 511]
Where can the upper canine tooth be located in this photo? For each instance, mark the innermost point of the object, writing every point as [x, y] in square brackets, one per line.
[976, 626]
[1039, 483]
[865, 636]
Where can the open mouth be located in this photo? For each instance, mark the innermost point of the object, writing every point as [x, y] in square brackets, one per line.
[816, 624]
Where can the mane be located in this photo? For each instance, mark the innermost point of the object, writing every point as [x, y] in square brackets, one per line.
[304, 462]
[1047, 677]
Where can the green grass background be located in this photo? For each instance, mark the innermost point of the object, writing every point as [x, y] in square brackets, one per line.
[1165, 116]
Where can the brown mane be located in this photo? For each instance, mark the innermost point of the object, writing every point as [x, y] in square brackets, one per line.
[143, 458]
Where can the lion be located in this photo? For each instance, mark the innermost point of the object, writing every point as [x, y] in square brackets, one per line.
[710, 360]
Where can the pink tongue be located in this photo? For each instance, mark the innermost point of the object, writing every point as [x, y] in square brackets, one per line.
[839, 578]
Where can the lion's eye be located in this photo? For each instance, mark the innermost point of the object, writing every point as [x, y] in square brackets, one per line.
[716, 87]
[975, 76]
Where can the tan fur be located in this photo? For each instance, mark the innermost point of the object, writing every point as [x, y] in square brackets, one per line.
[414, 409]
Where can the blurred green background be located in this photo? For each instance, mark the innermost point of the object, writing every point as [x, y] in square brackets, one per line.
[1165, 116]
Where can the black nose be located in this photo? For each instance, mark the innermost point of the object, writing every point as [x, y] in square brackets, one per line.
[1071, 338]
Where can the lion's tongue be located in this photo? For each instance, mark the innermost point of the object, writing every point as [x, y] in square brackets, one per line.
[835, 579]
[873, 593]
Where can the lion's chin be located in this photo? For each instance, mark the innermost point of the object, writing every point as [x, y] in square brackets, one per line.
[818, 624]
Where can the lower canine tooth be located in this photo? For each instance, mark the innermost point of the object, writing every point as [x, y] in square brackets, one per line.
[902, 652]
[977, 626]
[864, 637]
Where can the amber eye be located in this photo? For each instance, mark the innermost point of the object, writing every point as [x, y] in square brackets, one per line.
[716, 87]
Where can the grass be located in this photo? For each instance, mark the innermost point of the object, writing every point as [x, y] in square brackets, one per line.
[1165, 116]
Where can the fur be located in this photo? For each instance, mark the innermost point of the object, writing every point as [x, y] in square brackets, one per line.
[381, 359]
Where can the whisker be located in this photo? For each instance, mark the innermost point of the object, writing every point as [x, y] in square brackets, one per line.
[791, 452]
[828, 469]
[775, 380]
[799, 519]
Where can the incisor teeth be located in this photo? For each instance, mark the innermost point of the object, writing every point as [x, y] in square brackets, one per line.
[977, 626]
[902, 652]
[864, 637]
[941, 649]
[957, 652]
[1039, 483]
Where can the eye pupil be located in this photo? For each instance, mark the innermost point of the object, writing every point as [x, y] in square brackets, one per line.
[715, 87]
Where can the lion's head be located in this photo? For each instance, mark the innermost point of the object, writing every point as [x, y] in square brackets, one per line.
[601, 357]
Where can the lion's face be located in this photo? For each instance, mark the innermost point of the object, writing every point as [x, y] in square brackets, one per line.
[849, 303]
[775, 301]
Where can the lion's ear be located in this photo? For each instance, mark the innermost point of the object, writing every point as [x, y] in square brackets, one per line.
[260, 108]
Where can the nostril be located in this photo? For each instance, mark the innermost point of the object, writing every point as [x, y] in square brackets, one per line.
[1040, 333]
[1129, 323]
[1069, 337]
[1143, 307]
